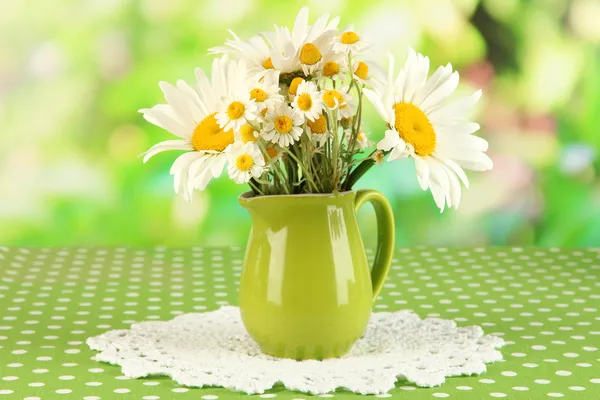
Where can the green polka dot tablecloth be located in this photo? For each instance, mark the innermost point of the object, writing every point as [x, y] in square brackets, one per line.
[543, 302]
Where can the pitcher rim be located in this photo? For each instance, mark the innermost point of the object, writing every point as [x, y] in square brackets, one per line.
[249, 195]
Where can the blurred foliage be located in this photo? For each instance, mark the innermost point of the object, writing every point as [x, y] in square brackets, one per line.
[73, 73]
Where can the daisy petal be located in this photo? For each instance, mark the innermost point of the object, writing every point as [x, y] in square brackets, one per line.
[422, 169]
[166, 145]
[391, 140]
[162, 116]
[456, 109]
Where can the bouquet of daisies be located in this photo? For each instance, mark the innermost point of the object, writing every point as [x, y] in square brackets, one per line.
[282, 111]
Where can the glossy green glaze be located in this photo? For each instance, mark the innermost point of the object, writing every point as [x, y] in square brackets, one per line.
[306, 290]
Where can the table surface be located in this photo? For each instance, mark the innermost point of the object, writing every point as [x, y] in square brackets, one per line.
[542, 301]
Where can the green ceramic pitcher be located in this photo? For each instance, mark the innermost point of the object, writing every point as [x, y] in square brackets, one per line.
[306, 290]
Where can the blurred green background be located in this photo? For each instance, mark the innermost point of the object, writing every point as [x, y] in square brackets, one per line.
[73, 73]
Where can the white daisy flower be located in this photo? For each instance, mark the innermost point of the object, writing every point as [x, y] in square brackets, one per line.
[279, 49]
[293, 89]
[248, 134]
[349, 41]
[334, 66]
[308, 101]
[341, 100]
[283, 125]
[424, 126]
[312, 41]
[237, 108]
[190, 113]
[265, 92]
[245, 162]
[310, 54]
[317, 130]
[366, 71]
[274, 153]
[362, 139]
[256, 51]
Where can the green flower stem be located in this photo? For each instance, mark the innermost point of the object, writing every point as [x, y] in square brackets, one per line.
[277, 171]
[304, 170]
[359, 171]
[254, 185]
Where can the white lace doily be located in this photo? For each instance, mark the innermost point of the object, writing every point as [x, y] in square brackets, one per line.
[213, 349]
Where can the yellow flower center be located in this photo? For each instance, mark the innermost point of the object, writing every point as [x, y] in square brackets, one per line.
[268, 64]
[331, 68]
[319, 125]
[209, 136]
[310, 54]
[304, 102]
[330, 97]
[361, 136]
[235, 110]
[414, 127]
[362, 70]
[258, 95]
[294, 86]
[272, 152]
[244, 162]
[247, 133]
[349, 37]
[283, 124]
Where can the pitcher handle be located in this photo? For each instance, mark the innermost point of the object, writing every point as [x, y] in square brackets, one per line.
[385, 235]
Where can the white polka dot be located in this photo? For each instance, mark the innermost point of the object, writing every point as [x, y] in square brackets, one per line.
[268, 395]
[381, 396]
[584, 365]
[441, 395]
[521, 388]
[571, 355]
[96, 370]
[32, 398]
[496, 394]
[151, 383]
[327, 395]
[63, 391]
[408, 388]
[10, 378]
[93, 383]
[121, 390]
[542, 381]
[464, 388]
[538, 347]
[210, 397]
[66, 377]
[40, 371]
[553, 394]
[93, 398]
[36, 384]
[530, 365]
[487, 381]
[563, 373]
[150, 397]
[509, 373]
[577, 388]
[14, 365]
[6, 391]
[595, 380]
